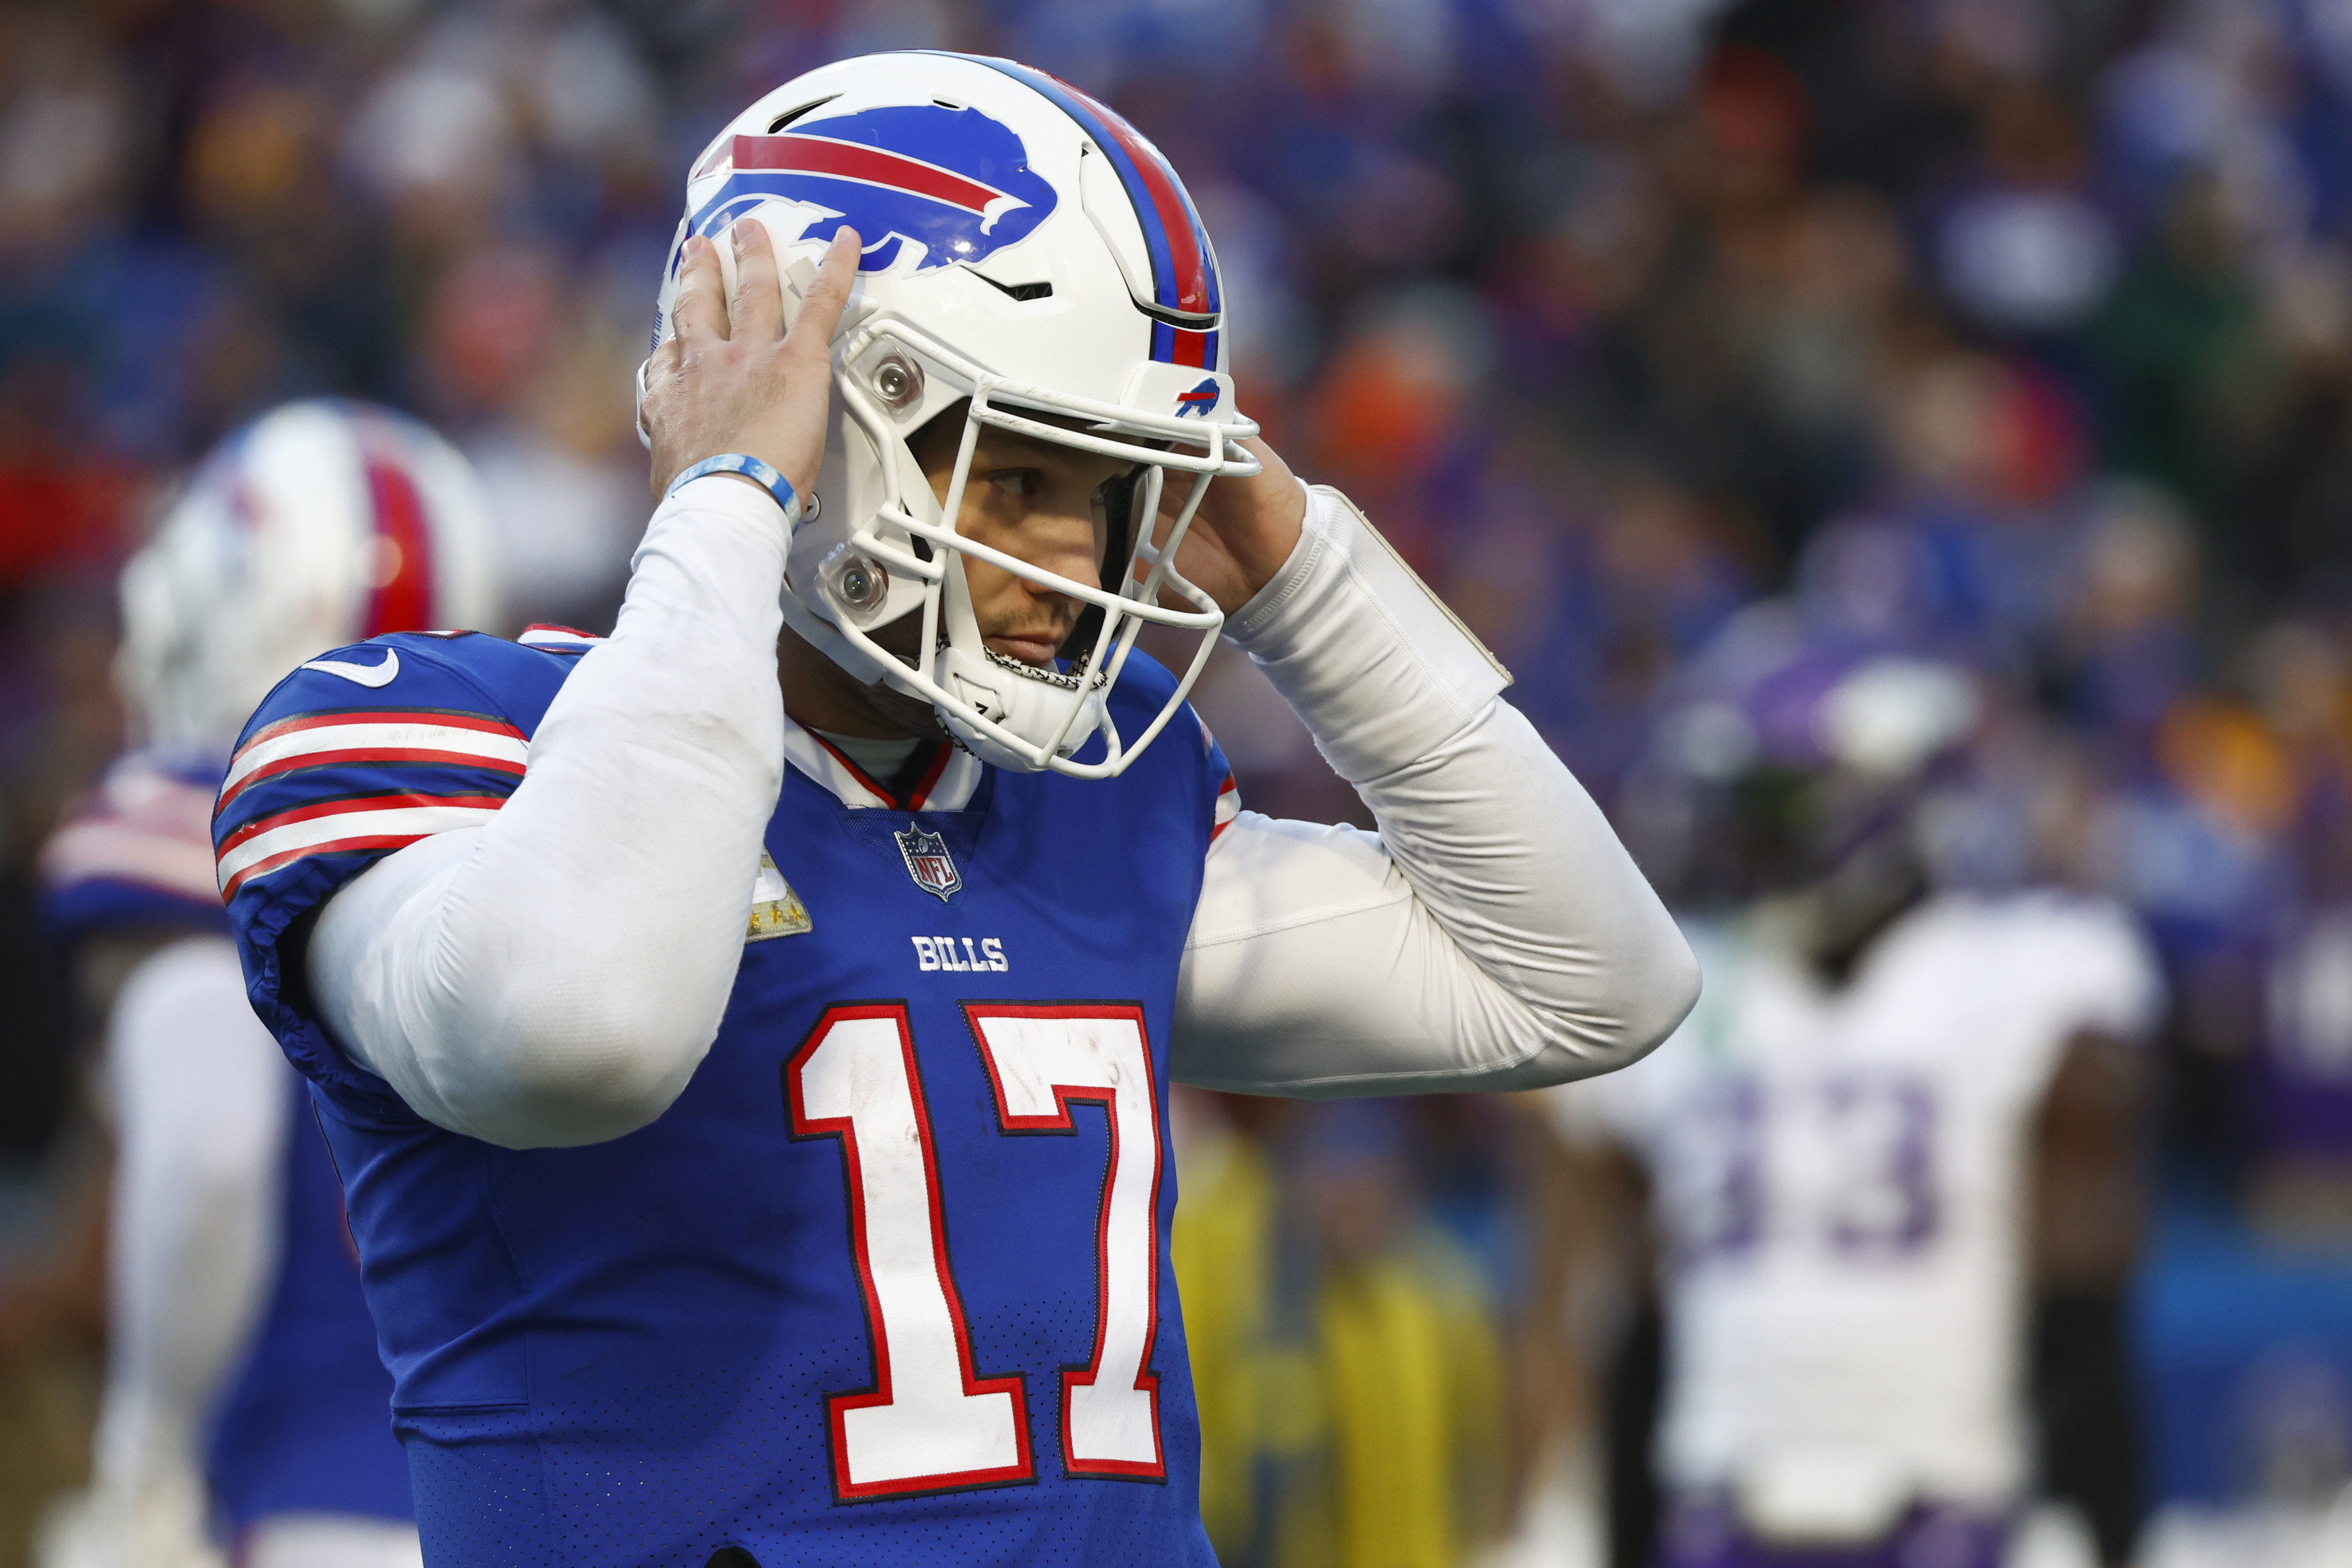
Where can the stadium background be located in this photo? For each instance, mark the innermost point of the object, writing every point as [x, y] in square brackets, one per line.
[2013, 331]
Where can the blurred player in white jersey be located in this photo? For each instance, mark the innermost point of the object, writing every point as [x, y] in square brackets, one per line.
[1889, 1164]
[245, 1402]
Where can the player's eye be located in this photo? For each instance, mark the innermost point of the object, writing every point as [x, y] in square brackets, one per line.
[1022, 482]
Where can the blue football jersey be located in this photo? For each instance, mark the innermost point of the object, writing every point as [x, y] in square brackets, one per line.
[304, 1424]
[888, 1282]
[135, 853]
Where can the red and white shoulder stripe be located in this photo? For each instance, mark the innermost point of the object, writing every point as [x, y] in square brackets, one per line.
[1229, 794]
[557, 639]
[329, 827]
[382, 736]
[138, 826]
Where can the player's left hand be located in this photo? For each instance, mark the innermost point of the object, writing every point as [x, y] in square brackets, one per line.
[1244, 529]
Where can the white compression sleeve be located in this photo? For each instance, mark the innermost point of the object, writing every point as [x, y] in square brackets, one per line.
[200, 1095]
[555, 975]
[329, 1541]
[1493, 935]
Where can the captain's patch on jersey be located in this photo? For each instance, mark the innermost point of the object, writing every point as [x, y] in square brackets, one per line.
[776, 909]
[929, 862]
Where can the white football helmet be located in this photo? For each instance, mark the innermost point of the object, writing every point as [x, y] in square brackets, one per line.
[1025, 252]
[320, 524]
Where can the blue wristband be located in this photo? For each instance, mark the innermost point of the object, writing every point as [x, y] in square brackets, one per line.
[752, 468]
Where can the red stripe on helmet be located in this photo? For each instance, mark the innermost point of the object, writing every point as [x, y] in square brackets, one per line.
[849, 161]
[402, 598]
[1186, 257]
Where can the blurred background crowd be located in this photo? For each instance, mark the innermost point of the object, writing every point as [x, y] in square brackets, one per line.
[1656, 333]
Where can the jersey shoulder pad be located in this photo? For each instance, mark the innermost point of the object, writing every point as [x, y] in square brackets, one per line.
[2083, 959]
[1226, 803]
[135, 853]
[359, 753]
[548, 638]
[1185, 751]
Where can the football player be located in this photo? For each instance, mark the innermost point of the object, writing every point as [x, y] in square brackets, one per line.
[242, 1386]
[1900, 1118]
[745, 1039]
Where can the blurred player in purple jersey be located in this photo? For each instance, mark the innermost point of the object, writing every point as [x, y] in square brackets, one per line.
[245, 1400]
[745, 1039]
[1889, 1162]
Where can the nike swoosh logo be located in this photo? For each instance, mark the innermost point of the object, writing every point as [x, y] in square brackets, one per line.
[378, 676]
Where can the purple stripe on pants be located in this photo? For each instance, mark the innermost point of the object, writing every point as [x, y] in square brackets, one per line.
[1703, 1531]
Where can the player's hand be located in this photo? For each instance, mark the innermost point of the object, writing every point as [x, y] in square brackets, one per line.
[730, 378]
[1243, 533]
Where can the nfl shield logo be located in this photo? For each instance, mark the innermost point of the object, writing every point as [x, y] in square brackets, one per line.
[929, 862]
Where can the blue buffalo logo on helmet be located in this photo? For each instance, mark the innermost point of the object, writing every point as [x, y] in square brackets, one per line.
[1197, 404]
[941, 186]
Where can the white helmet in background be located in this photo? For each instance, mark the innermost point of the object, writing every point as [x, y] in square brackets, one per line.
[1027, 252]
[322, 523]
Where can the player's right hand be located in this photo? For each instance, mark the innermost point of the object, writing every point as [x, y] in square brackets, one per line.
[729, 378]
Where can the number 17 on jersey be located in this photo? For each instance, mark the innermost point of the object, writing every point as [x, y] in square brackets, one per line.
[930, 1423]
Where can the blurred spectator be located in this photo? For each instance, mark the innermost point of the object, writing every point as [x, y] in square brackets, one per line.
[1344, 1344]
